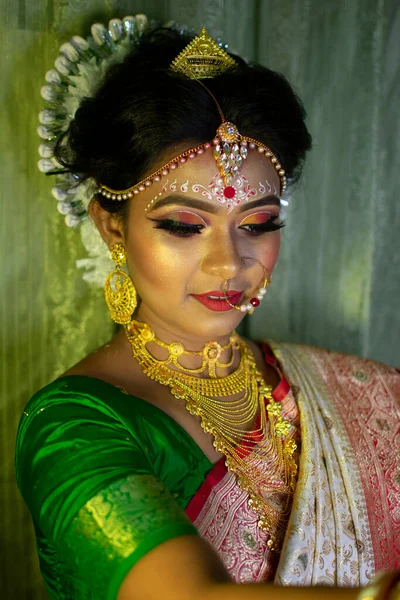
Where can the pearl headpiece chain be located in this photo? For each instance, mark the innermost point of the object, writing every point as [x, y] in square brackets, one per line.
[228, 156]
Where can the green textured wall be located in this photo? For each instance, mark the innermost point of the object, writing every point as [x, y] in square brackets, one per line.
[337, 284]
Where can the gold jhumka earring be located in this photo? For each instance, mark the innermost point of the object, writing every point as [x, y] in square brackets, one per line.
[119, 290]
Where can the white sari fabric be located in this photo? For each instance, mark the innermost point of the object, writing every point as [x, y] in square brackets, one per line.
[345, 519]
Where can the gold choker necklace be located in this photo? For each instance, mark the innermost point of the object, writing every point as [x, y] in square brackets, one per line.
[209, 354]
[259, 454]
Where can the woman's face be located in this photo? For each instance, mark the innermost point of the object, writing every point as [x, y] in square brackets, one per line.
[182, 241]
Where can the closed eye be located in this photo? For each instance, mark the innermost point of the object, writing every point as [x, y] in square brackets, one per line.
[178, 228]
[181, 229]
[260, 228]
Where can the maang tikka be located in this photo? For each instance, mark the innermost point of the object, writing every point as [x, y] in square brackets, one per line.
[201, 59]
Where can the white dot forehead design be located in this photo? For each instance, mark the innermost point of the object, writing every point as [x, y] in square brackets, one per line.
[214, 191]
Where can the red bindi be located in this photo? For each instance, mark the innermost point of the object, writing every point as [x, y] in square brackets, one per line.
[229, 192]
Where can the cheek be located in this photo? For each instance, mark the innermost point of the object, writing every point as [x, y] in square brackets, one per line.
[155, 261]
[270, 250]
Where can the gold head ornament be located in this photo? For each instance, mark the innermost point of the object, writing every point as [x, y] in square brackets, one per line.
[203, 58]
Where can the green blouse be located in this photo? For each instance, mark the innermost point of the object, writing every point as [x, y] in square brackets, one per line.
[106, 477]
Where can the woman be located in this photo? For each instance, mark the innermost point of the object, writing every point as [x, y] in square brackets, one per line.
[175, 448]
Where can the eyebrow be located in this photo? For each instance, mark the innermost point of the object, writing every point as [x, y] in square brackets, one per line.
[179, 200]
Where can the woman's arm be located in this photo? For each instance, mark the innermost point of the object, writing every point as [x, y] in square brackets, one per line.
[186, 568]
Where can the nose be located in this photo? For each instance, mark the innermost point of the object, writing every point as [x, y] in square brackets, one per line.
[222, 257]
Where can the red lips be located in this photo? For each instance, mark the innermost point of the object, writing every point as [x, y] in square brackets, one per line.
[219, 305]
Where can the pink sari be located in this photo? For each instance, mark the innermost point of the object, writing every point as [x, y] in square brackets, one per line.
[345, 519]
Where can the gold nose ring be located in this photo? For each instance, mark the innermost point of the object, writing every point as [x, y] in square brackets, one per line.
[254, 302]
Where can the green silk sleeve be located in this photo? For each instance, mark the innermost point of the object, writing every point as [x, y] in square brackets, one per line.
[95, 501]
[118, 526]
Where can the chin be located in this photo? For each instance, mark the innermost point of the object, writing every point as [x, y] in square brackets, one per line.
[202, 323]
[218, 325]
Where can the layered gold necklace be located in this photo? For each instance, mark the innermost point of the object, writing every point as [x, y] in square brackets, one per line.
[238, 410]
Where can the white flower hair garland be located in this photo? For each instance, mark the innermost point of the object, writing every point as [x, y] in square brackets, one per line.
[78, 73]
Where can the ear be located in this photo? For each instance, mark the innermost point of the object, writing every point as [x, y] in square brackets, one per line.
[110, 225]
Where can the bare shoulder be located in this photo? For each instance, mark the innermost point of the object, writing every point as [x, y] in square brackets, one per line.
[93, 363]
[112, 363]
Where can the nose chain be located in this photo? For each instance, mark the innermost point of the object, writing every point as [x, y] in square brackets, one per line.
[254, 301]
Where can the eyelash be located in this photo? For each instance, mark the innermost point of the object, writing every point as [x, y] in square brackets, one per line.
[180, 229]
[177, 227]
[260, 228]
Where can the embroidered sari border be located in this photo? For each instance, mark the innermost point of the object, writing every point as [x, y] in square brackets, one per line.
[376, 460]
[349, 397]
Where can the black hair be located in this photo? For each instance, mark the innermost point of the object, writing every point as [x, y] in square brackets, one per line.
[144, 108]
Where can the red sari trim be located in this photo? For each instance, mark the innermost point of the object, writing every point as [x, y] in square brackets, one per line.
[198, 501]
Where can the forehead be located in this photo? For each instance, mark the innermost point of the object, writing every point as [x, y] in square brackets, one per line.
[254, 167]
[202, 170]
